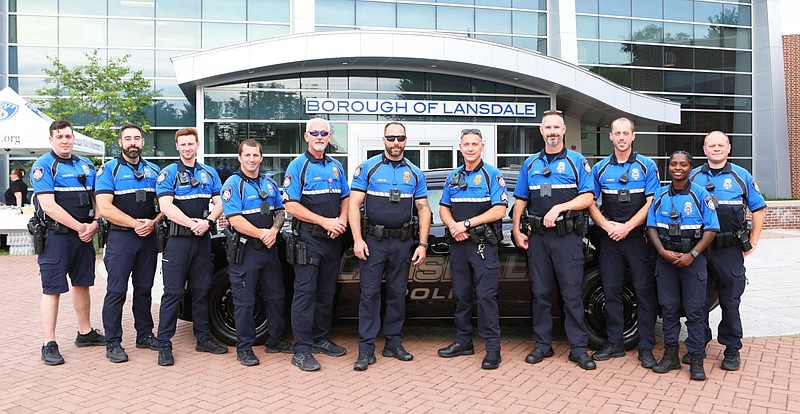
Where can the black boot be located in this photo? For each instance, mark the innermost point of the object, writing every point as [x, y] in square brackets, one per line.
[669, 362]
[696, 367]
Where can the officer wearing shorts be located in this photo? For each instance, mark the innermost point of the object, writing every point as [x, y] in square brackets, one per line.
[315, 194]
[734, 191]
[556, 187]
[253, 207]
[64, 184]
[126, 198]
[184, 190]
[389, 187]
[625, 183]
[473, 204]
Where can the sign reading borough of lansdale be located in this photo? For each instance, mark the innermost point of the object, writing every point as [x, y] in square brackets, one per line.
[410, 107]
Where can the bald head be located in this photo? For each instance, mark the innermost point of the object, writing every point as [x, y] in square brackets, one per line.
[716, 136]
[717, 148]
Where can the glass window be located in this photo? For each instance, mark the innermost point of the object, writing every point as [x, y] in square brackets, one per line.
[738, 61]
[178, 34]
[707, 35]
[495, 3]
[265, 31]
[82, 7]
[615, 29]
[138, 60]
[26, 86]
[741, 104]
[225, 10]
[370, 13]
[735, 14]
[620, 76]
[292, 83]
[460, 19]
[738, 84]
[494, 21]
[77, 56]
[39, 6]
[275, 105]
[587, 27]
[164, 66]
[314, 81]
[648, 80]
[678, 57]
[401, 81]
[33, 30]
[27, 60]
[131, 33]
[164, 143]
[614, 54]
[469, 2]
[362, 80]
[223, 104]
[615, 7]
[650, 8]
[529, 4]
[131, 8]
[532, 43]
[168, 88]
[416, 16]
[268, 10]
[78, 31]
[335, 12]
[518, 139]
[174, 113]
[645, 55]
[710, 59]
[678, 10]
[506, 40]
[707, 82]
[446, 83]
[587, 52]
[586, 6]
[647, 31]
[736, 38]
[187, 9]
[223, 34]
[707, 12]
[678, 33]
[530, 23]
[678, 81]
[741, 146]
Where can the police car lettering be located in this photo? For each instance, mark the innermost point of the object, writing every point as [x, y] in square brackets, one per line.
[709, 201]
[687, 208]
[162, 176]
[38, 172]
[226, 193]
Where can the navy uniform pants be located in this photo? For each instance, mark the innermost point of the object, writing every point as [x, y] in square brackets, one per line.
[314, 289]
[563, 255]
[391, 257]
[186, 258]
[134, 257]
[259, 270]
[683, 287]
[636, 254]
[465, 262]
[726, 268]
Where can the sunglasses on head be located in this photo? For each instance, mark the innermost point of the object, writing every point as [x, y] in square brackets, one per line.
[392, 138]
[471, 131]
[318, 133]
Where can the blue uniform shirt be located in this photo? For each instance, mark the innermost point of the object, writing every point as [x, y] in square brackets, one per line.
[734, 188]
[567, 176]
[377, 177]
[118, 177]
[70, 180]
[691, 207]
[191, 188]
[240, 197]
[317, 184]
[638, 175]
[471, 193]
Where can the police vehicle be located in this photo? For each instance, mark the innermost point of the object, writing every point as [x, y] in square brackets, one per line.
[429, 293]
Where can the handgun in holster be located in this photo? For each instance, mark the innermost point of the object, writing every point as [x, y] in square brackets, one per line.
[103, 227]
[561, 225]
[162, 234]
[234, 246]
[38, 230]
[301, 254]
[291, 247]
[525, 223]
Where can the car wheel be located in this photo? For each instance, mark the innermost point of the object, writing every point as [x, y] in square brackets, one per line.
[595, 314]
[220, 311]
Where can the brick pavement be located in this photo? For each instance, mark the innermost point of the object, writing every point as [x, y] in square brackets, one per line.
[769, 381]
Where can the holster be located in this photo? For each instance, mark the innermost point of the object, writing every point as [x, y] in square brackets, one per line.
[38, 230]
[176, 229]
[525, 223]
[291, 247]
[162, 234]
[103, 227]
[234, 246]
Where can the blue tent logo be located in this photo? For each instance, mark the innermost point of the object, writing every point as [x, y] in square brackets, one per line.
[7, 110]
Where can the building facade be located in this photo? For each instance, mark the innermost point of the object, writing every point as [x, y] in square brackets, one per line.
[241, 69]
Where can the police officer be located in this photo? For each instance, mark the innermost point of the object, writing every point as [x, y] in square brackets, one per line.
[252, 204]
[734, 191]
[184, 190]
[681, 223]
[556, 187]
[126, 198]
[473, 204]
[389, 186]
[625, 183]
[315, 194]
[63, 184]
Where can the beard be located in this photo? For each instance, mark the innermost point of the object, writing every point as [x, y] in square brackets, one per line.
[132, 152]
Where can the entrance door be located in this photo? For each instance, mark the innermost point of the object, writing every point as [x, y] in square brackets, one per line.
[427, 157]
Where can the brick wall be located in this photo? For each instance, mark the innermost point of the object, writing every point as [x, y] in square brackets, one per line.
[782, 215]
[791, 64]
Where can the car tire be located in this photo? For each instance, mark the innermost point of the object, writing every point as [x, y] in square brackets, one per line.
[594, 310]
[220, 311]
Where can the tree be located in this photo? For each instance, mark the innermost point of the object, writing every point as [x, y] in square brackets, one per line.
[98, 97]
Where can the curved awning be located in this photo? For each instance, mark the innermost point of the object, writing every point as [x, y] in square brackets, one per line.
[580, 93]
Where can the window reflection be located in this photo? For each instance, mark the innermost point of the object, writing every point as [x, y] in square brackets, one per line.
[416, 16]
[187, 9]
[268, 10]
[340, 12]
[137, 60]
[490, 20]
[29, 60]
[76, 31]
[678, 10]
[223, 34]
[460, 19]
[225, 10]
[82, 7]
[370, 13]
[33, 30]
[615, 7]
[176, 113]
[650, 8]
[131, 8]
[615, 29]
[131, 33]
[173, 34]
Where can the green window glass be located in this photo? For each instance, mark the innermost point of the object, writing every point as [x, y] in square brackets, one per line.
[588, 27]
[174, 113]
[647, 31]
[588, 52]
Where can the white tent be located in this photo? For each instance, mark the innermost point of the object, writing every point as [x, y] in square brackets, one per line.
[25, 130]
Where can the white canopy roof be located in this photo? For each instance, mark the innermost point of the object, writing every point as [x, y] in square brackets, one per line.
[25, 130]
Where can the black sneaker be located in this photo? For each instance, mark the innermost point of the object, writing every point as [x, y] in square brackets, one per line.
[211, 346]
[150, 343]
[327, 347]
[281, 347]
[93, 338]
[116, 354]
[732, 361]
[305, 361]
[247, 357]
[50, 354]
[165, 358]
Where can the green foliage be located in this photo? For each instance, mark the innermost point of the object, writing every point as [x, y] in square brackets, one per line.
[98, 96]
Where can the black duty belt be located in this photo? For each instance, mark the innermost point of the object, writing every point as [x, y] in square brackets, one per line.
[683, 245]
[381, 232]
[58, 228]
[118, 228]
[176, 229]
[315, 229]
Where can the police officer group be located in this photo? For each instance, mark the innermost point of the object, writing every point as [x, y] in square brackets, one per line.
[671, 240]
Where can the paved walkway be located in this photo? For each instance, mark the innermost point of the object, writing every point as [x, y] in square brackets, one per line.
[769, 381]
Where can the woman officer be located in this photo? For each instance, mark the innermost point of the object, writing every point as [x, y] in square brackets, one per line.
[681, 223]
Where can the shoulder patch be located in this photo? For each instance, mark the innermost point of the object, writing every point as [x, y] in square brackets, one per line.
[226, 193]
[709, 202]
[287, 181]
[501, 180]
[755, 186]
[358, 170]
[38, 172]
[586, 166]
[100, 170]
[162, 176]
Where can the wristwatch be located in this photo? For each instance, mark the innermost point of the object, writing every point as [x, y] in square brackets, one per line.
[210, 222]
[425, 245]
[467, 223]
[694, 253]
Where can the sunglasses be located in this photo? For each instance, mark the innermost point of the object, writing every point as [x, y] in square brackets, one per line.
[318, 133]
[471, 131]
[392, 138]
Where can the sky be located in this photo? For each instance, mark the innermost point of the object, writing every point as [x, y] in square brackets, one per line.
[790, 10]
